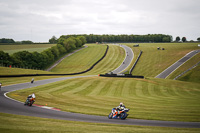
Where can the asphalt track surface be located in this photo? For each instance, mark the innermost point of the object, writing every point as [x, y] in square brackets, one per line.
[127, 61]
[11, 106]
[177, 64]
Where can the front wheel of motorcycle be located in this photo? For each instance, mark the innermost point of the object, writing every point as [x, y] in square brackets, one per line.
[123, 116]
[110, 116]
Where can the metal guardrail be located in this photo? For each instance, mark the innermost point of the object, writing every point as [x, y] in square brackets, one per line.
[121, 75]
[135, 62]
[186, 70]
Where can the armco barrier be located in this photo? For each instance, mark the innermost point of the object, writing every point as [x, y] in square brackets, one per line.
[26, 75]
[121, 75]
[186, 71]
[135, 62]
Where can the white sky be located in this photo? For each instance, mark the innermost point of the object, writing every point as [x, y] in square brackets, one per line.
[39, 20]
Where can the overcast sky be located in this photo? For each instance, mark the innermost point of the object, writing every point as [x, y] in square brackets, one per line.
[39, 20]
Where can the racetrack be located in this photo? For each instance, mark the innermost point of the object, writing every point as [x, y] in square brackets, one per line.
[11, 106]
[127, 61]
[14, 107]
[177, 64]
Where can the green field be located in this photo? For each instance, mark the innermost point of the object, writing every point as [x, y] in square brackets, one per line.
[25, 47]
[153, 61]
[17, 71]
[23, 124]
[81, 60]
[154, 99]
[113, 60]
[149, 98]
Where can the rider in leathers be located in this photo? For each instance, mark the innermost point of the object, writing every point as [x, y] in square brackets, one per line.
[119, 108]
[31, 97]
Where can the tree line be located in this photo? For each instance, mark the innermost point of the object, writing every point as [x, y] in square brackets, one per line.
[124, 38]
[8, 41]
[178, 39]
[35, 60]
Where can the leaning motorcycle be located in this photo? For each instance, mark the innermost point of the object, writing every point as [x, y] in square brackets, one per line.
[29, 101]
[121, 114]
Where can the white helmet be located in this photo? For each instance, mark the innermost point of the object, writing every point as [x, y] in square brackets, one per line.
[121, 104]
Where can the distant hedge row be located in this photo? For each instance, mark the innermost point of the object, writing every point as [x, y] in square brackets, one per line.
[124, 38]
[44, 59]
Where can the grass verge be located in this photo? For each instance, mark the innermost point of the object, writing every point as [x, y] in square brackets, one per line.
[22, 124]
[192, 75]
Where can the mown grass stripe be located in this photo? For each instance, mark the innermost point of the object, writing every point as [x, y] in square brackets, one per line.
[147, 98]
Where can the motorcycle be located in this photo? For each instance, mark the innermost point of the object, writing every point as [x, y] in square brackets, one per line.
[29, 101]
[116, 113]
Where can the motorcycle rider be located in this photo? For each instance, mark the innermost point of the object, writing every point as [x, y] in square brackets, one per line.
[119, 108]
[31, 97]
[32, 80]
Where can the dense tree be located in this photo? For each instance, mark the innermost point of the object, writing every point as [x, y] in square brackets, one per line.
[5, 59]
[83, 39]
[50, 58]
[5, 40]
[69, 44]
[37, 60]
[78, 42]
[61, 49]
[23, 58]
[166, 39]
[121, 38]
[184, 39]
[61, 41]
[27, 42]
[55, 51]
[44, 60]
[53, 40]
[178, 39]
[198, 39]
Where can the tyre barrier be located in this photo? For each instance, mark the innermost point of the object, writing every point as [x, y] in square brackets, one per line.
[135, 62]
[121, 75]
[28, 75]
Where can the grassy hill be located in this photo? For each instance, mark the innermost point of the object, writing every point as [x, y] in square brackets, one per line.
[113, 60]
[153, 61]
[150, 98]
[27, 47]
[155, 99]
[85, 58]
[81, 60]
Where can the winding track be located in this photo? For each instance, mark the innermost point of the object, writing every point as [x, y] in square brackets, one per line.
[11, 106]
[127, 61]
[177, 64]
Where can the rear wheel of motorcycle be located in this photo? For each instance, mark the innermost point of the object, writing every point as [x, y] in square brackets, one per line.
[110, 116]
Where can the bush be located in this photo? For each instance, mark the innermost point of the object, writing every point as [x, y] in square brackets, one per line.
[69, 44]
